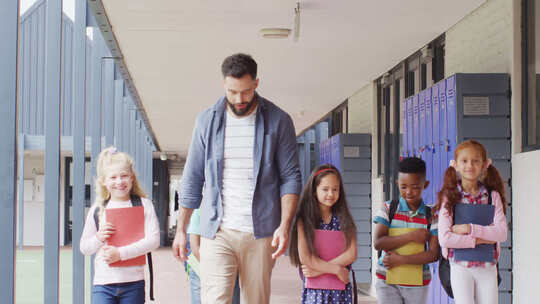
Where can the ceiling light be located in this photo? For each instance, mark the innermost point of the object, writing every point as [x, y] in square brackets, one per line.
[275, 32]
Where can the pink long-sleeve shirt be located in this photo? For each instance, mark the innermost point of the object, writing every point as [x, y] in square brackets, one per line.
[90, 244]
[496, 232]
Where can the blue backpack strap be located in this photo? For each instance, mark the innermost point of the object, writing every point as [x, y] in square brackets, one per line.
[393, 208]
[96, 214]
[355, 287]
[428, 217]
[136, 202]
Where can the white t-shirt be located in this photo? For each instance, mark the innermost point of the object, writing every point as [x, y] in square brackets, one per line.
[238, 183]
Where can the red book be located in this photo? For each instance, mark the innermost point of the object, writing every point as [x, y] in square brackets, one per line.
[329, 244]
[129, 225]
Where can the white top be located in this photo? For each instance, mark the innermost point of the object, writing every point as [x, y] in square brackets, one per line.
[238, 183]
[90, 244]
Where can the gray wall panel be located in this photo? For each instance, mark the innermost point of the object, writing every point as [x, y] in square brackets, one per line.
[488, 127]
[364, 264]
[357, 189]
[357, 165]
[359, 201]
[357, 177]
[356, 140]
[363, 226]
[361, 213]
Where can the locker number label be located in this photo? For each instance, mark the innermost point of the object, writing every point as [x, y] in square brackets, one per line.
[351, 151]
[476, 105]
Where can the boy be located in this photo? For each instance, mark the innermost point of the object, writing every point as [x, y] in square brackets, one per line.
[410, 212]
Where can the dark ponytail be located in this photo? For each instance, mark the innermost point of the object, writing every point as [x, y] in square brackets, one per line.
[449, 190]
[494, 182]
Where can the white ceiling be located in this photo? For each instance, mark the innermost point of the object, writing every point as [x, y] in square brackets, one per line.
[174, 49]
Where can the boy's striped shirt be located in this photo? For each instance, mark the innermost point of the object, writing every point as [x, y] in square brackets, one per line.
[404, 218]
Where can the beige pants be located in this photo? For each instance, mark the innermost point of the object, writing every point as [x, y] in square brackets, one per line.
[230, 253]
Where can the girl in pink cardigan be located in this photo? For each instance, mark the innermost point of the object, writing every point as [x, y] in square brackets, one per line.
[472, 281]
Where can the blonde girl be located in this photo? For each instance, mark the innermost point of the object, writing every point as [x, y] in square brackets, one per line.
[471, 179]
[117, 187]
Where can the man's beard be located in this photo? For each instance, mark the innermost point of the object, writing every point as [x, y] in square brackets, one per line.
[244, 111]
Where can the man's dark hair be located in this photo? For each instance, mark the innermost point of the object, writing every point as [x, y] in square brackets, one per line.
[238, 65]
[412, 165]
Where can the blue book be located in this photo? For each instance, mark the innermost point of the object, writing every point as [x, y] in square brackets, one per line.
[479, 215]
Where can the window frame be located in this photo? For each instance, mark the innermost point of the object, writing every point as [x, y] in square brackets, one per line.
[525, 81]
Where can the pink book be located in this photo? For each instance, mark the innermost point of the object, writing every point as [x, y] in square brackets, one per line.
[129, 224]
[328, 244]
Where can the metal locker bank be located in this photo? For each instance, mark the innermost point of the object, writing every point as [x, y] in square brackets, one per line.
[351, 154]
[461, 107]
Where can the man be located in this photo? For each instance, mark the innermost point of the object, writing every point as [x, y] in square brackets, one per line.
[243, 151]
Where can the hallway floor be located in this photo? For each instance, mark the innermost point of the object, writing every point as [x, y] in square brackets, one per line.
[173, 287]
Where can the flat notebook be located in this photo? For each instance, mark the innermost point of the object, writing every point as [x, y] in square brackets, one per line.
[407, 274]
[129, 224]
[329, 244]
[193, 264]
[479, 215]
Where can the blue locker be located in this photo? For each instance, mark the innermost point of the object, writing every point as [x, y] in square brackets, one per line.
[464, 106]
[451, 115]
[416, 126]
[443, 131]
[336, 152]
[429, 143]
[405, 128]
[410, 151]
[437, 174]
[422, 134]
[322, 152]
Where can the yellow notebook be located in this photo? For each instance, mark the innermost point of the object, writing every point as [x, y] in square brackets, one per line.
[406, 274]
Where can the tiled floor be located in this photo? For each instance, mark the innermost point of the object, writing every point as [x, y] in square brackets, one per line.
[172, 286]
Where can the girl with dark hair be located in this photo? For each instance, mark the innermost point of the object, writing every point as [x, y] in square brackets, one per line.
[471, 179]
[323, 207]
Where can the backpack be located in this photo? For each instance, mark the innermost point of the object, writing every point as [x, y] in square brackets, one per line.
[135, 202]
[393, 208]
[444, 265]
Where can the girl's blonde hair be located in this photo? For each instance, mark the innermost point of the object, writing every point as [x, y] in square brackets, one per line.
[106, 158]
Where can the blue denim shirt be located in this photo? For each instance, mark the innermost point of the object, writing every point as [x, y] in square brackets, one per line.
[275, 167]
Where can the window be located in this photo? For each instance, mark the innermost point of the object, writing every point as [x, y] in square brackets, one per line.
[423, 76]
[339, 119]
[531, 74]
[389, 88]
[417, 72]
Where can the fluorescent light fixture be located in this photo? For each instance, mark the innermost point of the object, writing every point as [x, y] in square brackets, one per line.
[275, 32]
